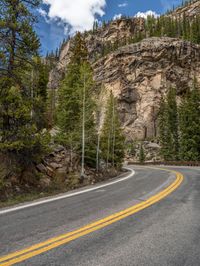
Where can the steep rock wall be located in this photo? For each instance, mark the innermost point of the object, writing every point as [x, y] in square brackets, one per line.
[139, 74]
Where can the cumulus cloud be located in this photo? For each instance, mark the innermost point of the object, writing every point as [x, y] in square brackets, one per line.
[44, 14]
[78, 14]
[123, 4]
[146, 14]
[117, 16]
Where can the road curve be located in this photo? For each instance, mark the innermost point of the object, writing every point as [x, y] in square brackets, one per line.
[166, 233]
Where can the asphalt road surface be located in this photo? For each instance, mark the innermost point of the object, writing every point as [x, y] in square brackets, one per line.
[165, 233]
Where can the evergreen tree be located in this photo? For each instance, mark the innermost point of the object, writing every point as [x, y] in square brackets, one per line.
[19, 44]
[112, 139]
[39, 95]
[172, 122]
[168, 127]
[26, 142]
[69, 105]
[104, 24]
[164, 132]
[18, 40]
[141, 155]
[89, 134]
[189, 113]
[75, 111]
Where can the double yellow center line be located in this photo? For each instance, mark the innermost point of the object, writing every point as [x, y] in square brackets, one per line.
[55, 242]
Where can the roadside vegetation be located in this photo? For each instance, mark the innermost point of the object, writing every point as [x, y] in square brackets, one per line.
[29, 112]
[26, 115]
[179, 125]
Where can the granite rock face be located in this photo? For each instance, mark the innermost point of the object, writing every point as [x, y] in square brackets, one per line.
[137, 74]
[120, 29]
[116, 30]
[190, 10]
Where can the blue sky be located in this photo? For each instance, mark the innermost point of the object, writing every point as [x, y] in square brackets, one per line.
[58, 18]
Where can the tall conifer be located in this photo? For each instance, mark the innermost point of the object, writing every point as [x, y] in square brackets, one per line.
[112, 139]
[189, 113]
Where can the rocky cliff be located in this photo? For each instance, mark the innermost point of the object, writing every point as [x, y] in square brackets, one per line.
[116, 31]
[138, 74]
[120, 29]
[190, 10]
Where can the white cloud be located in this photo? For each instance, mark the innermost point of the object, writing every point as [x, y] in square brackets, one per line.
[146, 14]
[78, 14]
[44, 14]
[117, 16]
[123, 4]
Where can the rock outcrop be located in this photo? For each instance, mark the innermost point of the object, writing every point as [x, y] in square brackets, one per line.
[116, 31]
[190, 10]
[137, 74]
[120, 29]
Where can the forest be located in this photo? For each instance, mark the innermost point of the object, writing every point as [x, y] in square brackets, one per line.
[27, 117]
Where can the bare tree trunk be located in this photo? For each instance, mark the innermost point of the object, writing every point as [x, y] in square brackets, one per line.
[108, 149]
[97, 158]
[32, 92]
[71, 153]
[11, 61]
[83, 134]
[113, 130]
[14, 17]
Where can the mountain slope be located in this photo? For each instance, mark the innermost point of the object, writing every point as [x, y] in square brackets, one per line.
[138, 74]
[190, 10]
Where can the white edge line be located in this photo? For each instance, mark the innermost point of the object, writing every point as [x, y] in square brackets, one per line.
[68, 195]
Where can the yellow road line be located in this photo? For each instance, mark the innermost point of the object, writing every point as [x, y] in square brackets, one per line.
[52, 243]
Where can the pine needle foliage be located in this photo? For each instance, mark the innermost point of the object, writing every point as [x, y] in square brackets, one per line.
[112, 138]
[189, 113]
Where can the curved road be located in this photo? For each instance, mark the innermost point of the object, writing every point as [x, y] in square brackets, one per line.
[166, 233]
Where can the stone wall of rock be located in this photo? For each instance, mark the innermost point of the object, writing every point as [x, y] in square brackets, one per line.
[120, 29]
[189, 11]
[116, 30]
[139, 74]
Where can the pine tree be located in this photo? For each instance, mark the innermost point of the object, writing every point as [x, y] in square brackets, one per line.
[26, 142]
[141, 154]
[172, 122]
[189, 113]
[39, 101]
[164, 133]
[89, 134]
[168, 127]
[69, 107]
[104, 24]
[75, 111]
[19, 42]
[112, 139]
[19, 45]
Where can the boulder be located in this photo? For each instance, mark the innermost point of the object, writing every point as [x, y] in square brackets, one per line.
[41, 168]
[55, 166]
[153, 146]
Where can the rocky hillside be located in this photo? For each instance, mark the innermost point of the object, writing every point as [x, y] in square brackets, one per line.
[190, 10]
[121, 29]
[138, 74]
[117, 30]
